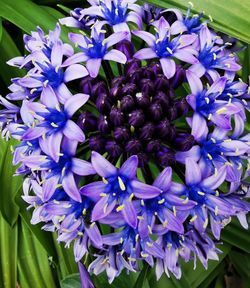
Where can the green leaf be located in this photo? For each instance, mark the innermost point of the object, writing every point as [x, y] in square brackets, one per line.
[34, 269]
[45, 238]
[71, 281]
[230, 16]
[235, 235]
[197, 277]
[8, 50]
[1, 29]
[8, 254]
[10, 184]
[27, 16]
[241, 262]
[142, 278]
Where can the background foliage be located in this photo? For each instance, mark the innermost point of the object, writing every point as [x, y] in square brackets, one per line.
[30, 257]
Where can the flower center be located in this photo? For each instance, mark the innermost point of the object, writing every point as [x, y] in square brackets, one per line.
[137, 115]
[115, 14]
[117, 187]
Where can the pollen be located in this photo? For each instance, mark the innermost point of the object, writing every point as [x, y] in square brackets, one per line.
[161, 201]
[207, 100]
[209, 156]
[104, 181]
[174, 210]
[54, 125]
[215, 56]
[201, 193]
[205, 223]
[169, 50]
[90, 45]
[32, 91]
[120, 208]
[131, 197]
[221, 111]
[165, 223]
[216, 210]
[121, 184]
[193, 218]
[45, 83]
[63, 171]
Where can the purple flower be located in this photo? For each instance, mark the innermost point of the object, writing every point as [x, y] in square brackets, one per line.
[54, 121]
[60, 173]
[95, 49]
[164, 47]
[212, 56]
[205, 102]
[115, 13]
[190, 24]
[163, 208]
[133, 247]
[77, 20]
[210, 201]
[118, 187]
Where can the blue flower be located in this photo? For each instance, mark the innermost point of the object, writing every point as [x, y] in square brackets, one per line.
[164, 47]
[96, 49]
[54, 121]
[115, 13]
[117, 190]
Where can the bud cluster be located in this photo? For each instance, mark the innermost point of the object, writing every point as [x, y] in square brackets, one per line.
[137, 114]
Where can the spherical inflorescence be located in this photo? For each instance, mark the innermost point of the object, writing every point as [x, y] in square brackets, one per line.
[133, 146]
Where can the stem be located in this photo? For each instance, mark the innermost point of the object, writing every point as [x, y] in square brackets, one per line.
[108, 71]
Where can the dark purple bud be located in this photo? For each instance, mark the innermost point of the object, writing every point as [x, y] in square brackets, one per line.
[165, 157]
[150, 13]
[86, 85]
[113, 149]
[121, 134]
[142, 100]
[131, 66]
[163, 128]
[172, 113]
[133, 146]
[172, 133]
[163, 99]
[97, 143]
[116, 116]
[118, 81]
[169, 16]
[103, 103]
[147, 86]
[156, 68]
[136, 118]
[153, 146]
[182, 107]
[87, 121]
[127, 48]
[99, 88]
[103, 124]
[179, 77]
[127, 103]
[147, 131]
[129, 89]
[184, 142]
[149, 73]
[142, 158]
[155, 111]
[161, 83]
[115, 92]
[136, 77]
